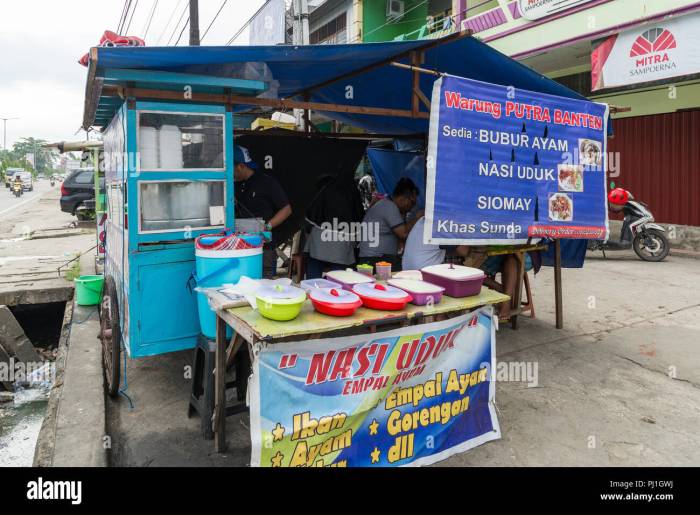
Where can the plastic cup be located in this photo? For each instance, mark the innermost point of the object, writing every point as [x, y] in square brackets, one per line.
[383, 271]
[366, 269]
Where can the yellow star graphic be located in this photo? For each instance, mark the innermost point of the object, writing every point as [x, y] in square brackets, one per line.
[277, 459]
[278, 433]
[373, 427]
[375, 455]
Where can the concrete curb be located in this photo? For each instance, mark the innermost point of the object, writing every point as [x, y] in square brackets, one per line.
[80, 420]
[685, 253]
[74, 428]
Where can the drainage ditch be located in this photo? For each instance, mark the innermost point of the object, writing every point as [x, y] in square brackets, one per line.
[24, 406]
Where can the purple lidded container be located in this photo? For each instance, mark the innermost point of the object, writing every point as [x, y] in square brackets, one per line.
[421, 291]
[458, 280]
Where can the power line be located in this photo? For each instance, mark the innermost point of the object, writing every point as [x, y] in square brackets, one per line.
[247, 23]
[182, 15]
[150, 19]
[182, 31]
[165, 29]
[122, 18]
[132, 17]
[214, 19]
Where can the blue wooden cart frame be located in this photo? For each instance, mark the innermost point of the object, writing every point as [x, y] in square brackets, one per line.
[148, 270]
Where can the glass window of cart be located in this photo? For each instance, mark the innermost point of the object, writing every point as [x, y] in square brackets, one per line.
[181, 205]
[180, 141]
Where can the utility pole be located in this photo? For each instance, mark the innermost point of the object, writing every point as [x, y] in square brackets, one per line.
[194, 22]
[304, 21]
[301, 22]
[300, 36]
[4, 131]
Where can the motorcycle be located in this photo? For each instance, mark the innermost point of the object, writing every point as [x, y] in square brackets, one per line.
[53, 182]
[17, 189]
[639, 232]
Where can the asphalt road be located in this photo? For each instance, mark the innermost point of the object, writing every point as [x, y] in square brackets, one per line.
[36, 239]
[9, 204]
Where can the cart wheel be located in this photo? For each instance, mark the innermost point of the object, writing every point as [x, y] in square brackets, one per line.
[111, 336]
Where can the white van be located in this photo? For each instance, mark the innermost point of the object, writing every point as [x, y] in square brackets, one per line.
[27, 180]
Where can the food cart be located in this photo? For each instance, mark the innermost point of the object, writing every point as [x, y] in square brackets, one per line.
[172, 99]
[168, 178]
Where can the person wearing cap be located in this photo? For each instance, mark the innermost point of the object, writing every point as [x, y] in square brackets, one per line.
[259, 195]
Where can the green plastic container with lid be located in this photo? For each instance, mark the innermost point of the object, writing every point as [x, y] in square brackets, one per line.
[280, 302]
[88, 289]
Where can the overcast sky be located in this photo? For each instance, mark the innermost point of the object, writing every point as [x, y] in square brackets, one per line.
[41, 41]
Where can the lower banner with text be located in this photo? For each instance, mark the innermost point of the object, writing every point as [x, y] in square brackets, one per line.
[411, 396]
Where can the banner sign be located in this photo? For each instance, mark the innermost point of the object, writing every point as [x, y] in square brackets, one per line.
[662, 50]
[412, 396]
[267, 27]
[537, 9]
[506, 164]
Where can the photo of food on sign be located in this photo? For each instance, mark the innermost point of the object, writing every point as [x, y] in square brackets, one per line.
[590, 153]
[561, 207]
[570, 177]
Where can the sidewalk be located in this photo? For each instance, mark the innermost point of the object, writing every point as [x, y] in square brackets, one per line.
[604, 398]
[36, 239]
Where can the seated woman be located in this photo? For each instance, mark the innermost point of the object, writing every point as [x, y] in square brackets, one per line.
[337, 202]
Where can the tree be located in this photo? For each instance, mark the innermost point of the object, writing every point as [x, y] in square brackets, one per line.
[8, 160]
[43, 158]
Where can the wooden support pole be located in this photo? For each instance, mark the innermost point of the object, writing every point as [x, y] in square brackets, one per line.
[515, 302]
[416, 68]
[220, 387]
[307, 115]
[233, 348]
[282, 104]
[415, 86]
[557, 285]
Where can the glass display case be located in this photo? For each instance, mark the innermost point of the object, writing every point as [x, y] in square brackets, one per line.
[181, 205]
[170, 142]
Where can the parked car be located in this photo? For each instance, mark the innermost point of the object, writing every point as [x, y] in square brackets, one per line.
[77, 190]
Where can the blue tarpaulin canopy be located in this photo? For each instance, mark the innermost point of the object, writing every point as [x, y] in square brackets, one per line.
[346, 75]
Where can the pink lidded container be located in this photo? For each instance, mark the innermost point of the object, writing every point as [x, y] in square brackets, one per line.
[458, 280]
[311, 284]
[348, 278]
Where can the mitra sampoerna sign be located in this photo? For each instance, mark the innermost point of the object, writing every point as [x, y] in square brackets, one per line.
[412, 396]
[658, 51]
[506, 164]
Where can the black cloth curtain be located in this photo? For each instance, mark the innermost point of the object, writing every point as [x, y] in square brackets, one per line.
[300, 163]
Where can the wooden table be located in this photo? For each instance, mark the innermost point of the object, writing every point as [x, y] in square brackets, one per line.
[519, 252]
[250, 327]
